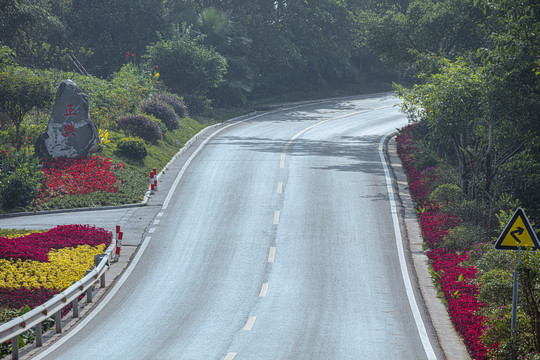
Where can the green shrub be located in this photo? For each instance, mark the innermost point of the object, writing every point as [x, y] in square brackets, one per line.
[175, 102]
[196, 104]
[20, 179]
[446, 195]
[141, 126]
[186, 65]
[133, 148]
[163, 112]
[463, 237]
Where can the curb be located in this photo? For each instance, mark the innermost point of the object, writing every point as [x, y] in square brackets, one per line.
[450, 342]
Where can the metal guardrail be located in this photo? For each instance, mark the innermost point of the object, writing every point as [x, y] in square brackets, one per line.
[12, 329]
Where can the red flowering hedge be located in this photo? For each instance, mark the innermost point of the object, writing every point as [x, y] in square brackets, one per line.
[454, 280]
[18, 298]
[78, 176]
[36, 246]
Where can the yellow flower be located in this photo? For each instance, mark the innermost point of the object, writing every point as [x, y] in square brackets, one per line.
[65, 267]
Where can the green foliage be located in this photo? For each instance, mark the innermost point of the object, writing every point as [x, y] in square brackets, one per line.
[163, 112]
[133, 148]
[22, 90]
[463, 237]
[141, 126]
[447, 195]
[20, 179]
[185, 64]
[196, 104]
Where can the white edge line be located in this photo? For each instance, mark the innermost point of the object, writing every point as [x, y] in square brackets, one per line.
[401, 255]
[101, 304]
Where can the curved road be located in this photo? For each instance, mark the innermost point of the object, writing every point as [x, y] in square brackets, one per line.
[278, 243]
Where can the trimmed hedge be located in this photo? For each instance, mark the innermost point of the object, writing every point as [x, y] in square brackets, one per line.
[175, 102]
[141, 126]
[133, 148]
[163, 112]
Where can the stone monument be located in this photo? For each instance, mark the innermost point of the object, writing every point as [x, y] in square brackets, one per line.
[70, 132]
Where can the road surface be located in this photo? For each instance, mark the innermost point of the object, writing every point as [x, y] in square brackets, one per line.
[277, 243]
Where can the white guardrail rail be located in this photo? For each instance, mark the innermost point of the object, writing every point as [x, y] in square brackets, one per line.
[33, 319]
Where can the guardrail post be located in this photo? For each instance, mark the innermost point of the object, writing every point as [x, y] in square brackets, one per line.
[15, 348]
[89, 290]
[39, 335]
[58, 321]
[75, 306]
[102, 281]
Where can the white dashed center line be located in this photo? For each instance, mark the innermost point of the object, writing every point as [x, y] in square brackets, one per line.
[272, 254]
[279, 187]
[230, 356]
[250, 322]
[151, 231]
[276, 217]
[264, 290]
[156, 222]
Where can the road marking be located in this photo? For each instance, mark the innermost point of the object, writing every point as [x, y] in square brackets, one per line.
[156, 222]
[92, 314]
[401, 255]
[276, 217]
[264, 290]
[272, 254]
[151, 231]
[160, 214]
[279, 187]
[249, 324]
[230, 356]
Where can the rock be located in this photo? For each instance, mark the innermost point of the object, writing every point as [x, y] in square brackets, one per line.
[70, 132]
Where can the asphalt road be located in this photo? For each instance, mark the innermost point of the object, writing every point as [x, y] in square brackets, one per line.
[278, 243]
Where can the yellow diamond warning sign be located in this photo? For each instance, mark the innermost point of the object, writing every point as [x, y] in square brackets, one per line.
[518, 234]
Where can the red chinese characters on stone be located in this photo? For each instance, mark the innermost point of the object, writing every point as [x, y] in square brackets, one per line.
[69, 110]
[69, 129]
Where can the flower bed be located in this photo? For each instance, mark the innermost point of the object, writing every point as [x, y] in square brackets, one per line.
[78, 176]
[454, 279]
[35, 267]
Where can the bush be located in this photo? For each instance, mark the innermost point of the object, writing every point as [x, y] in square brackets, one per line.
[163, 112]
[196, 104]
[141, 126]
[463, 237]
[20, 179]
[185, 63]
[446, 195]
[133, 148]
[175, 102]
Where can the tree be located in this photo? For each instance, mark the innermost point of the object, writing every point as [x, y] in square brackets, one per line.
[185, 65]
[21, 90]
[400, 31]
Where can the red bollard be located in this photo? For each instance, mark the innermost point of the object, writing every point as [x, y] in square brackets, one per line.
[119, 236]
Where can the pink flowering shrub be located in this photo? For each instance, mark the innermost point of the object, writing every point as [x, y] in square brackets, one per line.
[455, 280]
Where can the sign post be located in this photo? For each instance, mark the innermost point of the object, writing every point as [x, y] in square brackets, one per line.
[517, 235]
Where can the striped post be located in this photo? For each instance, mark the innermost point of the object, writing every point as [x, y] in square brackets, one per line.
[119, 236]
[155, 179]
[152, 182]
